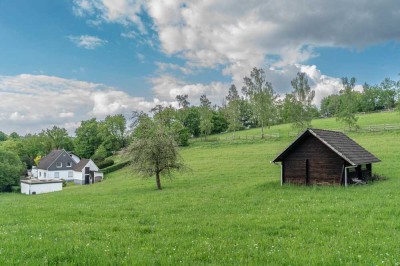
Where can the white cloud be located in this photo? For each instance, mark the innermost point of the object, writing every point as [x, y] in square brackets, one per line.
[164, 67]
[87, 42]
[167, 87]
[66, 114]
[30, 103]
[124, 12]
[234, 36]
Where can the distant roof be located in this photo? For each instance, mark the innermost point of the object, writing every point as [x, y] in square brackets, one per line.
[339, 143]
[45, 162]
[82, 163]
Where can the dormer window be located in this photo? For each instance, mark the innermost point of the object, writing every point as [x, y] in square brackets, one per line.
[58, 164]
[69, 164]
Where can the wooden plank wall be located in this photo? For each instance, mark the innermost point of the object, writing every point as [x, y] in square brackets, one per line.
[324, 166]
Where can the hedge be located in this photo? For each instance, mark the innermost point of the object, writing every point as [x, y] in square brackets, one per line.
[114, 167]
[106, 163]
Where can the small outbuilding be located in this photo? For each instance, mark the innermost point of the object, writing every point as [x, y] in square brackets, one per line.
[36, 186]
[325, 157]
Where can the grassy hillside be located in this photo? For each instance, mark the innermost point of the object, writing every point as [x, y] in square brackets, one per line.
[230, 209]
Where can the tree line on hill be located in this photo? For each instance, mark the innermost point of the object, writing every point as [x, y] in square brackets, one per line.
[258, 105]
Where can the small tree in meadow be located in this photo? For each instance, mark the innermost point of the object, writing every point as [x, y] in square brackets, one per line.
[153, 151]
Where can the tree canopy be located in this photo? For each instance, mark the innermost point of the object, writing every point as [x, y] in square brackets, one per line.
[262, 97]
[301, 102]
[153, 151]
[11, 168]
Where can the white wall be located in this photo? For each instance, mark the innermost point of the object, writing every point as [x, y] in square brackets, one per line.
[24, 188]
[79, 177]
[40, 188]
[92, 166]
[51, 174]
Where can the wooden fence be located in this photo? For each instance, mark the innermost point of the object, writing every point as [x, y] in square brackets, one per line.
[251, 137]
[364, 129]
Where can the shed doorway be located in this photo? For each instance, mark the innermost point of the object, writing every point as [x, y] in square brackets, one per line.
[87, 175]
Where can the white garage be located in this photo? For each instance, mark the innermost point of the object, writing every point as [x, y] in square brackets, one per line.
[36, 186]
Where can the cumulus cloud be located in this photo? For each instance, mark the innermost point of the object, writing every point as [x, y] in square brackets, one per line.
[208, 33]
[29, 103]
[87, 42]
[167, 87]
[122, 11]
[235, 35]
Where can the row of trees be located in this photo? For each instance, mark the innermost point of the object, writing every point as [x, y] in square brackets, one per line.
[348, 102]
[258, 105]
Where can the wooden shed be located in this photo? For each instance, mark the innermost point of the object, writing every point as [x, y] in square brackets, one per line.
[325, 157]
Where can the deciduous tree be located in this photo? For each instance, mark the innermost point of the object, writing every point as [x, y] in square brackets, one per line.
[11, 168]
[153, 151]
[233, 110]
[206, 115]
[301, 107]
[346, 114]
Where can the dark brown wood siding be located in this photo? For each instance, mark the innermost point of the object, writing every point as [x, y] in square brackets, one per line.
[324, 165]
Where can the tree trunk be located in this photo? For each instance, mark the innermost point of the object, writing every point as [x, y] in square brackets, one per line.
[262, 130]
[158, 181]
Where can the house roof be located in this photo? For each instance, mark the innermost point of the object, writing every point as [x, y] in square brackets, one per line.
[82, 163]
[45, 162]
[339, 143]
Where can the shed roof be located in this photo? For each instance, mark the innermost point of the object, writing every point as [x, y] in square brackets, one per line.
[45, 162]
[339, 143]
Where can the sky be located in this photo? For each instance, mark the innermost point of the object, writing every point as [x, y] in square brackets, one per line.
[65, 61]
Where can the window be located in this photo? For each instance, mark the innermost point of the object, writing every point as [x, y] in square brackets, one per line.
[40, 174]
[58, 164]
[69, 164]
[70, 174]
[44, 174]
[56, 174]
[363, 167]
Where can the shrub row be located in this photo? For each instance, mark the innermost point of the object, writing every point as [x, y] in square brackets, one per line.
[106, 163]
[114, 167]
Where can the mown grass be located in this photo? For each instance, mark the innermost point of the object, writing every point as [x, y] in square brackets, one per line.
[230, 209]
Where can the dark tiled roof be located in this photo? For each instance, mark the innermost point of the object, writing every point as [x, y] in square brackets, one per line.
[45, 162]
[338, 142]
[79, 166]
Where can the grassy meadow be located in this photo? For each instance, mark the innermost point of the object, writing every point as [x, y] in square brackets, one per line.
[229, 209]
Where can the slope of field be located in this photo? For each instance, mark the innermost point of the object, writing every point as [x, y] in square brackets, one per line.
[230, 209]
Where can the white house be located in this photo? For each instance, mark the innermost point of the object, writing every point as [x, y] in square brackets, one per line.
[35, 186]
[59, 164]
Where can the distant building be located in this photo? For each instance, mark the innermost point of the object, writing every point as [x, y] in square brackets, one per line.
[325, 157]
[60, 164]
[35, 186]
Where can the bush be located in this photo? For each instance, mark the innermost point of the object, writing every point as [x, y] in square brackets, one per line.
[99, 155]
[114, 167]
[106, 163]
[15, 189]
[11, 169]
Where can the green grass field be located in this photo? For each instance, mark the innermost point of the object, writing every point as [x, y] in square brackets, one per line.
[230, 209]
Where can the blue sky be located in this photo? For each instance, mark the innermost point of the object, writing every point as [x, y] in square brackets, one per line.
[62, 61]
